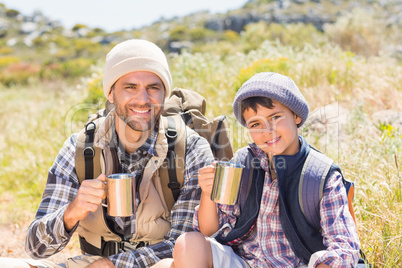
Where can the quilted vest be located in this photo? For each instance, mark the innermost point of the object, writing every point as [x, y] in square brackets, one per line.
[304, 238]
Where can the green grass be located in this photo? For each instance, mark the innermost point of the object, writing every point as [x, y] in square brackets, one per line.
[35, 128]
[36, 120]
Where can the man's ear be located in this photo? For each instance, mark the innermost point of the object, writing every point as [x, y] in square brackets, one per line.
[297, 119]
[110, 96]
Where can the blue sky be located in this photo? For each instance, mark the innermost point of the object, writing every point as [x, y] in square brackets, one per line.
[114, 15]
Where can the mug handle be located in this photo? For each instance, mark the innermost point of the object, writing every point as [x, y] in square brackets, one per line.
[104, 200]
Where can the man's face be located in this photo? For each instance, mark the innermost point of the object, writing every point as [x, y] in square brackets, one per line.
[138, 98]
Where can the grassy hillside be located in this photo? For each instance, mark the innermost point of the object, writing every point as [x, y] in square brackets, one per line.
[348, 74]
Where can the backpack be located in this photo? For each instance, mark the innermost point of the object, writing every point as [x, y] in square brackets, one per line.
[311, 186]
[313, 181]
[183, 108]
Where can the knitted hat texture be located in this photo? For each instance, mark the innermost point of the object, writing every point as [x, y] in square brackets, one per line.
[276, 87]
[132, 56]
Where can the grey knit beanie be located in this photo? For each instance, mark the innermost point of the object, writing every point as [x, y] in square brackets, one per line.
[276, 87]
[132, 56]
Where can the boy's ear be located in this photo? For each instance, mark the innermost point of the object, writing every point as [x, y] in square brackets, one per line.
[297, 119]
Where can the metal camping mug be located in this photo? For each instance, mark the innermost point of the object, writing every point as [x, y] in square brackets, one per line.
[120, 195]
[226, 182]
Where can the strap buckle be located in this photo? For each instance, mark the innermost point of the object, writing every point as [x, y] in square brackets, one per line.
[171, 133]
[88, 152]
[90, 127]
[174, 185]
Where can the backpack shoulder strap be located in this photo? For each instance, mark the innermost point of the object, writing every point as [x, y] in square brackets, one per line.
[87, 156]
[311, 185]
[172, 171]
[312, 180]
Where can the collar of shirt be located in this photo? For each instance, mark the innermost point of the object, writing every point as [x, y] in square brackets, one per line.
[148, 146]
[261, 155]
[135, 162]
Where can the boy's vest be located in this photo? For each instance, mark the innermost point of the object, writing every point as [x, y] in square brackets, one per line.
[301, 180]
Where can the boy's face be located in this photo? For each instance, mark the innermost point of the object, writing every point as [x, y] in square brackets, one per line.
[273, 130]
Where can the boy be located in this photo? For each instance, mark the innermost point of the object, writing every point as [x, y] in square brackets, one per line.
[271, 106]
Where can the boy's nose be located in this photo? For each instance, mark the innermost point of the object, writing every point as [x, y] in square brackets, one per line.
[269, 126]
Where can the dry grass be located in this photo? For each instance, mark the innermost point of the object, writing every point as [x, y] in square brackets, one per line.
[37, 119]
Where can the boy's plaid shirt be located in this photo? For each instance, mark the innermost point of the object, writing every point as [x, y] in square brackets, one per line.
[266, 244]
[47, 235]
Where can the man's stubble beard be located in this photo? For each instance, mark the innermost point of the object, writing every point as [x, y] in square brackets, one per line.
[135, 124]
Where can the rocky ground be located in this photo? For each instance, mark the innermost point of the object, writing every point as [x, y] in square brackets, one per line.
[13, 238]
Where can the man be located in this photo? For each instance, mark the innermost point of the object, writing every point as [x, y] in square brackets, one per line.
[136, 81]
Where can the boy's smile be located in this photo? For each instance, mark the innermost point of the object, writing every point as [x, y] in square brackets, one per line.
[273, 130]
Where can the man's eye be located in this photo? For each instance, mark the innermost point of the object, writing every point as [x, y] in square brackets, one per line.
[254, 125]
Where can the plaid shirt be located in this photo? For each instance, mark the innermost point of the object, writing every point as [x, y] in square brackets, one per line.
[47, 235]
[266, 244]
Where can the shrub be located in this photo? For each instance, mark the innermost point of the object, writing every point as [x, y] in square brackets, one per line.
[82, 47]
[279, 65]
[94, 89]
[200, 34]
[76, 68]
[222, 48]
[20, 73]
[254, 35]
[6, 50]
[359, 32]
[230, 36]
[78, 26]
[8, 60]
[12, 13]
[70, 69]
[296, 35]
[178, 33]
[61, 41]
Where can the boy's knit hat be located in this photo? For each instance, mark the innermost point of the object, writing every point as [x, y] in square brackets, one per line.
[132, 56]
[276, 87]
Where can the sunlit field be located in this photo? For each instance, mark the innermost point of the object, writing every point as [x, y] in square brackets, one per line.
[355, 116]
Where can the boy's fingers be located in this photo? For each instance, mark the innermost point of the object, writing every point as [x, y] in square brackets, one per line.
[207, 169]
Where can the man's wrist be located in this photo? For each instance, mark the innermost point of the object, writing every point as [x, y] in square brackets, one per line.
[69, 222]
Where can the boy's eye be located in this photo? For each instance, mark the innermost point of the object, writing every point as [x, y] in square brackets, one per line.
[254, 125]
[276, 117]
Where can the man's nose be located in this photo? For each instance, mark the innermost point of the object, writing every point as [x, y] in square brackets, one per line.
[142, 96]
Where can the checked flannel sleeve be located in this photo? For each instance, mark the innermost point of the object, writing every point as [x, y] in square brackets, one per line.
[46, 235]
